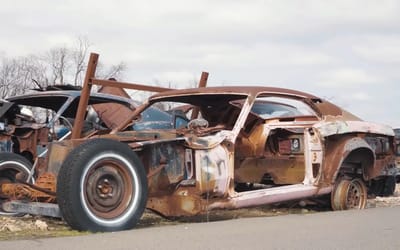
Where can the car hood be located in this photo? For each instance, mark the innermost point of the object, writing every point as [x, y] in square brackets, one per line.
[7, 108]
[328, 128]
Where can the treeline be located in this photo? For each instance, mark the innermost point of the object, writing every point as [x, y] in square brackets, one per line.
[59, 65]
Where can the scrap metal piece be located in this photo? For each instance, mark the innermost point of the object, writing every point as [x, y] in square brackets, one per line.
[43, 190]
[36, 208]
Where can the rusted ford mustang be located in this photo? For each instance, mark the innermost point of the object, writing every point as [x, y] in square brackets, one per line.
[241, 150]
[243, 146]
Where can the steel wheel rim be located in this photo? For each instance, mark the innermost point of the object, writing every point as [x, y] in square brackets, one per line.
[122, 184]
[355, 195]
[21, 171]
[108, 189]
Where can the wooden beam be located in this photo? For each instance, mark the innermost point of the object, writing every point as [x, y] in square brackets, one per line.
[127, 85]
[202, 84]
[84, 99]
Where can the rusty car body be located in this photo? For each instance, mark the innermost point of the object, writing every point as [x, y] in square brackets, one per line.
[397, 143]
[243, 146]
[28, 123]
[28, 135]
[50, 118]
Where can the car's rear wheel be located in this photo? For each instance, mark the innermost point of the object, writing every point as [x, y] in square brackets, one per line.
[13, 168]
[349, 194]
[384, 186]
[390, 186]
[102, 186]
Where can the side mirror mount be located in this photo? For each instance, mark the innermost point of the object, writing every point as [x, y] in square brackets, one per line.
[180, 121]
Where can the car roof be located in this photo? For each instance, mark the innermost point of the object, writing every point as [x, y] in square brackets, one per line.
[230, 93]
[56, 99]
[234, 90]
[95, 97]
[66, 93]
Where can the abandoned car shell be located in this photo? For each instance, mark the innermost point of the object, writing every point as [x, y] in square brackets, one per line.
[28, 134]
[30, 122]
[23, 134]
[231, 155]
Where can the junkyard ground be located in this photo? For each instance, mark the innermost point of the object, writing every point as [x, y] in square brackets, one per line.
[32, 227]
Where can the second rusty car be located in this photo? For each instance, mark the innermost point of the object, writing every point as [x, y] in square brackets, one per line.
[30, 122]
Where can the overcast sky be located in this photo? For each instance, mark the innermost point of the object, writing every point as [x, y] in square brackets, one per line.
[345, 51]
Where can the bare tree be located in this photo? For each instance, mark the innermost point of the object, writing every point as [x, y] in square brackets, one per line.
[16, 75]
[58, 60]
[7, 72]
[113, 71]
[59, 65]
[68, 65]
[78, 58]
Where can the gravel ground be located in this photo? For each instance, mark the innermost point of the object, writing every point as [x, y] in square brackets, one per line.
[386, 201]
[30, 227]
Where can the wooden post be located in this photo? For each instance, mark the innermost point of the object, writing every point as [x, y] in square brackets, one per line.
[202, 84]
[84, 99]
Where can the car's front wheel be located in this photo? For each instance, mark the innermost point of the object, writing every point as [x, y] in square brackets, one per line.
[102, 186]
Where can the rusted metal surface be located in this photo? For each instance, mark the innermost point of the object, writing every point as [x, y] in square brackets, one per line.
[183, 203]
[36, 208]
[213, 171]
[135, 86]
[344, 127]
[43, 191]
[25, 140]
[26, 136]
[112, 114]
[359, 153]
[30, 141]
[58, 152]
[269, 196]
[109, 188]
[397, 146]
[283, 170]
[239, 90]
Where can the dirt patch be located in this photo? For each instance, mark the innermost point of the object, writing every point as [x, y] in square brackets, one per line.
[32, 227]
[391, 201]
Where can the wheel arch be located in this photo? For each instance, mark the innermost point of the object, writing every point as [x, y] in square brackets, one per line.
[351, 156]
[364, 157]
[28, 155]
